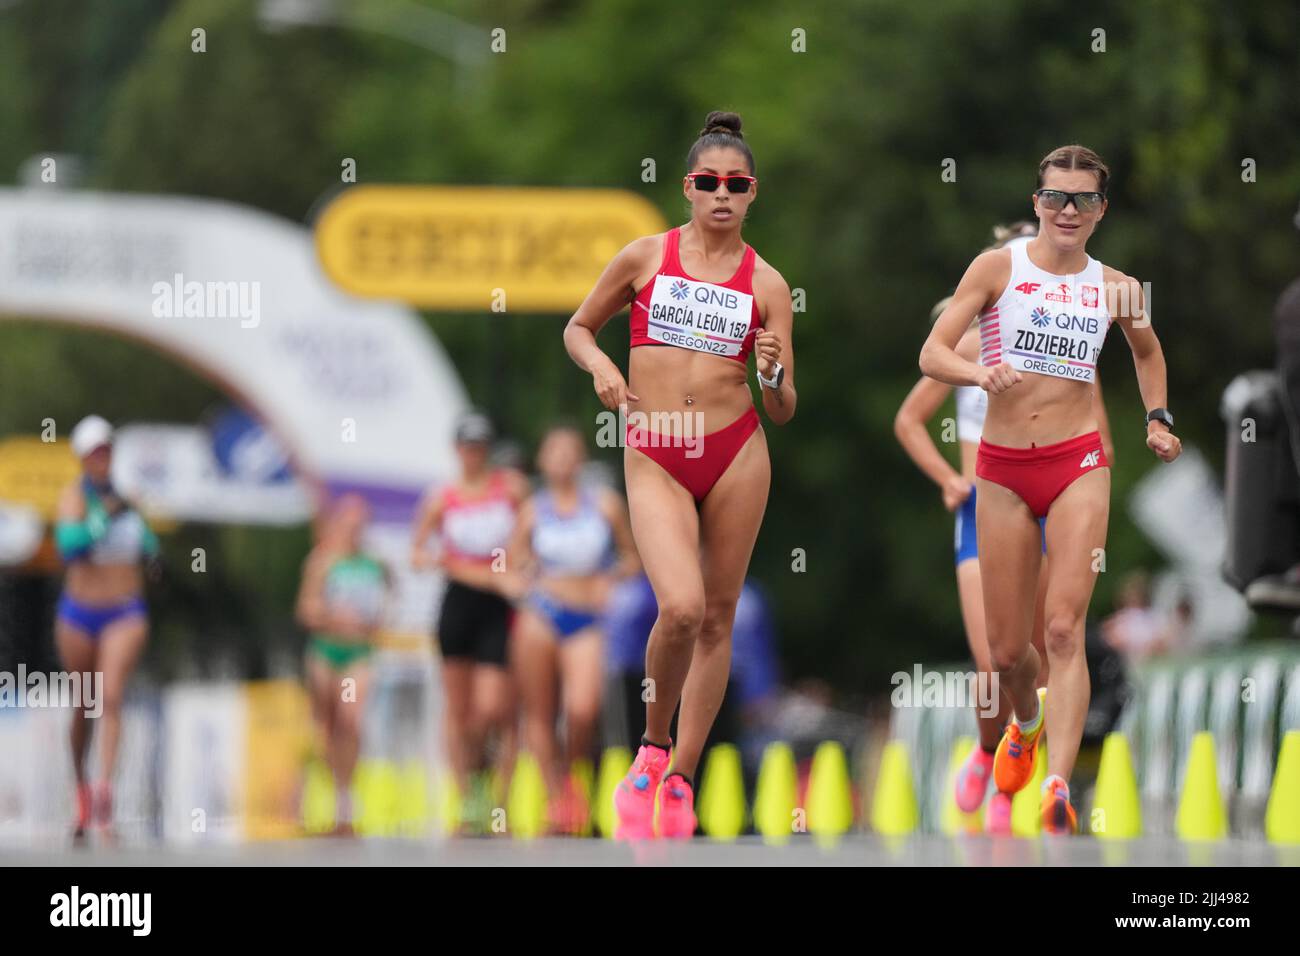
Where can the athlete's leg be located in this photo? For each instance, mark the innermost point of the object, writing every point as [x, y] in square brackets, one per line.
[349, 709]
[463, 743]
[1010, 557]
[730, 517]
[322, 689]
[496, 711]
[582, 681]
[120, 645]
[77, 655]
[1040, 626]
[666, 528]
[1076, 533]
[969, 590]
[534, 660]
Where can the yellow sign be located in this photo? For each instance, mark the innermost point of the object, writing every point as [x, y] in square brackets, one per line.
[278, 741]
[478, 248]
[35, 472]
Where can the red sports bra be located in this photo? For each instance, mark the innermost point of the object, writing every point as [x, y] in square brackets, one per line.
[675, 309]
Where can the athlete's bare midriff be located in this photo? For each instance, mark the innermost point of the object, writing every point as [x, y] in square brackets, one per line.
[674, 380]
[585, 591]
[1040, 410]
[101, 585]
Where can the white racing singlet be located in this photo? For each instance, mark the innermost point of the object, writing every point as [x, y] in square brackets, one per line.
[972, 406]
[123, 541]
[1046, 323]
[577, 543]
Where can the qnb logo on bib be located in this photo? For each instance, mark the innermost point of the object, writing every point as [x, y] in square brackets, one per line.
[699, 315]
[1048, 342]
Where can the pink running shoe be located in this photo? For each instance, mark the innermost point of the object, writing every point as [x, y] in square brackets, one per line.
[973, 779]
[634, 797]
[997, 816]
[676, 808]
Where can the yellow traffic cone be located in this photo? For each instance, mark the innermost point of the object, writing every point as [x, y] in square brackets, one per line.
[830, 793]
[1282, 818]
[953, 820]
[364, 806]
[894, 811]
[614, 764]
[1201, 815]
[1026, 805]
[374, 791]
[446, 802]
[722, 798]
[1116, 808]
[413, 799]
[317, 797]
[777, 793]
[526, 804]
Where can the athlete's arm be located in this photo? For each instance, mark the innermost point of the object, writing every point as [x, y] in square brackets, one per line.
[1148, 358]
[910, 429]
[310, 608]
[612, 292]
[982, 284]
[429, 519]
[72, 536]
[921, 404]
[385, 604]
[1103, 421]
[775, 342]
[520, 563]
[614, 509]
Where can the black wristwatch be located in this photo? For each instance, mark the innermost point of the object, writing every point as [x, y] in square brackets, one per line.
[1162, 415]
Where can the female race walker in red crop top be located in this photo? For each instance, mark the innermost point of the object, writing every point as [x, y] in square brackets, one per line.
[1044, 310]
[696, 461]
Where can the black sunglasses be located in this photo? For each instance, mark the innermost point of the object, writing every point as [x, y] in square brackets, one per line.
[1057, 199]
[708, 182]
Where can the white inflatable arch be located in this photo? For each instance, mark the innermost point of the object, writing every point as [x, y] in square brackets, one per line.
[358, 391]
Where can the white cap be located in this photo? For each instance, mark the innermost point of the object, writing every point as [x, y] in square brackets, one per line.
[91, 433]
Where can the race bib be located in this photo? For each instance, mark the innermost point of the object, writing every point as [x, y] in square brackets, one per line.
[1056, 341]
[699, 315]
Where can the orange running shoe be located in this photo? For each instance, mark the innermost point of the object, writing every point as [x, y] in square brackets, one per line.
[1058, 816]
[85, 805]
[1013, 762]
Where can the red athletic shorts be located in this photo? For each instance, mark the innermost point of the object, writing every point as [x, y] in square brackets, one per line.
[1040, 473]
[697, 464]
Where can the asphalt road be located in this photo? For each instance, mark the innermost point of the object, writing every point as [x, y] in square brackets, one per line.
[857, 850]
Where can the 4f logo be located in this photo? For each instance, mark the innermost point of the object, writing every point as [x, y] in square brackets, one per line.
[1029, 288]
[1091, 459]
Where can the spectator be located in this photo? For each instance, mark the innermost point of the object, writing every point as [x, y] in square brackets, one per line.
[1136, 629]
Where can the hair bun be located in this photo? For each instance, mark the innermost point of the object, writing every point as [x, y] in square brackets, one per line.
[719, 121]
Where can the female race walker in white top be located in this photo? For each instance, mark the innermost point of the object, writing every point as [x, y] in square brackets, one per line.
[958, 490]
[1044, 310]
